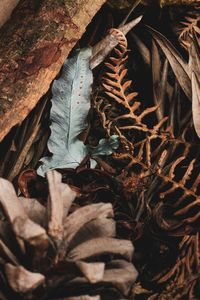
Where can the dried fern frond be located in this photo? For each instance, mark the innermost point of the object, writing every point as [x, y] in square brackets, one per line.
[189, 25]
[176, 184]
[123, 114]
[158, 170]
[149, 148]
[183, 277]
[117, 87]
[180, 199]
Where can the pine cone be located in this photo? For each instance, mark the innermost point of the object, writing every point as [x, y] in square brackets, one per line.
[54, 253]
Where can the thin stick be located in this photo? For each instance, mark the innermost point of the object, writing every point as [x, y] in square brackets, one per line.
[130, 12]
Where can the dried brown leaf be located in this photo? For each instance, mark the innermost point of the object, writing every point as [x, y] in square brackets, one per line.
[179, 66]
[144, 51]
[196, 103]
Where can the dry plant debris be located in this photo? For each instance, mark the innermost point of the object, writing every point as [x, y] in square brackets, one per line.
[56, 252]
[146, 97]
[189, 23]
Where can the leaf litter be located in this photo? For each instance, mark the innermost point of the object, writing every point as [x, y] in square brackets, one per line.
[130, 151]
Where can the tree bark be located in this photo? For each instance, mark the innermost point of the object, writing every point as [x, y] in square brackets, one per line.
[7, 7]
[177, 2]
[34, 44]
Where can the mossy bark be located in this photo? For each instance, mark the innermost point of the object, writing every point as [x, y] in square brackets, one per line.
[34, 44]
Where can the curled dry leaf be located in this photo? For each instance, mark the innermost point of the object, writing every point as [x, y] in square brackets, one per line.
[23, 180]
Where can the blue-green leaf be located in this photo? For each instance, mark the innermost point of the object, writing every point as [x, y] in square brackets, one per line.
[70, 106]
[105, 146]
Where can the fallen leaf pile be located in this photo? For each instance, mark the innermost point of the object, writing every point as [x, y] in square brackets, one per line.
[121, 133]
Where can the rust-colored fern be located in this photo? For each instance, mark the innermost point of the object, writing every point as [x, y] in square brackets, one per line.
[117, 87]
[159, 171]
[190, 24]
[150, 148]
[181, 280]
[184, 276]
[179, 197]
